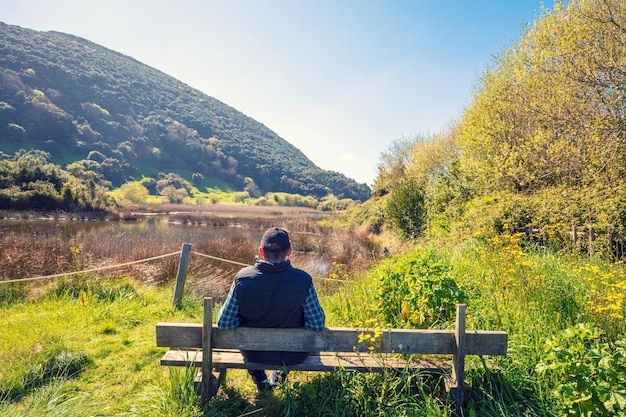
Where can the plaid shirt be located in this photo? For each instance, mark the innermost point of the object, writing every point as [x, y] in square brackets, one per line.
[314, 318]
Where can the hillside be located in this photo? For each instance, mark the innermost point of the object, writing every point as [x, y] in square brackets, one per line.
[123, 120]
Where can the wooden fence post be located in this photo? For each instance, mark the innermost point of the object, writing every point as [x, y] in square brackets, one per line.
[181, 277]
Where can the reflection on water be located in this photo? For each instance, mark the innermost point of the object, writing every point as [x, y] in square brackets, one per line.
[150, 228]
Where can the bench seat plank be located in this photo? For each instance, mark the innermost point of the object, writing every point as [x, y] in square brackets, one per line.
[324, 362]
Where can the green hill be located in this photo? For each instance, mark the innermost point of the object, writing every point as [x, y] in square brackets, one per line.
[121, 119]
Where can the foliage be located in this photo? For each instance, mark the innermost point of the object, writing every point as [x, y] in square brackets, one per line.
[551, 110]
[405, 209]
[541, 142]
[392, 166]
[120, 119]
[591, 373]
[605, 303]
[134, 192]
[29, 181]
[416, 290]
[332, 203]
[173, 194]
[368, 215]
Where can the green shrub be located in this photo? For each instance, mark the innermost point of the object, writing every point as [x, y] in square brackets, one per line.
[589, 375]
[405, 211]
[417, 290]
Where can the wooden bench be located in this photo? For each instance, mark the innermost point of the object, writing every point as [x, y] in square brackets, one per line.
[206, 346]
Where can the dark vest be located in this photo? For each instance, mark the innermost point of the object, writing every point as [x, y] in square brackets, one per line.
[272, 296]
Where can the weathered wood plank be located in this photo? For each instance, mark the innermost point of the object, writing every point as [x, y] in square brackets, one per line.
[189, 336]
[179, 335]
[325, 362]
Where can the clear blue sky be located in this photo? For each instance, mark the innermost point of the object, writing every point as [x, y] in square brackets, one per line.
[339, 79]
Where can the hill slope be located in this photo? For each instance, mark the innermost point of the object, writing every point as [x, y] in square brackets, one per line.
[122, 119]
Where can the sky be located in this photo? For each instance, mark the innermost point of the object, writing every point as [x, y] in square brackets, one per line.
[341, 80]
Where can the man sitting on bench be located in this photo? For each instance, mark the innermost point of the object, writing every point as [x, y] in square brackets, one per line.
[272, 293]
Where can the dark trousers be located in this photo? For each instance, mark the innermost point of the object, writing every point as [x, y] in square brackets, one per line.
[271, 358]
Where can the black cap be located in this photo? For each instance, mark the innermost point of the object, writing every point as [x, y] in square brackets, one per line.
[275, 240]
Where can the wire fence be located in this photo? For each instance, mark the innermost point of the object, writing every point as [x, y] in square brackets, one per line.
[121, 265]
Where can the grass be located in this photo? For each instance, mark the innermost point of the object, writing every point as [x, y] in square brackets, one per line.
[107, 329]
[85, 346]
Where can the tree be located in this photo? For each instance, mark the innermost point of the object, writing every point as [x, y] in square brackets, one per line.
[405, 209]
[393, 165]
[173, 194]
[552, 109]
[134, 192]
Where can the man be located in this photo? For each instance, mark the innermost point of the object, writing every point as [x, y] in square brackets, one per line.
[272, 293]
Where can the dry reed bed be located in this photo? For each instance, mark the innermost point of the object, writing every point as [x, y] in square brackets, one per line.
[52, 247]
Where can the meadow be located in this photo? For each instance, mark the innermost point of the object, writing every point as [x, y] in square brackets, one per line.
[83, 345]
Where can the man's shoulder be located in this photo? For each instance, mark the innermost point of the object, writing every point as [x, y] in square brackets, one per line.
[301, 273]
[248, 271]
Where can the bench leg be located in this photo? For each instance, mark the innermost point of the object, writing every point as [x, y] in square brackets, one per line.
[214, 382]
[452, 388]
[220, 379]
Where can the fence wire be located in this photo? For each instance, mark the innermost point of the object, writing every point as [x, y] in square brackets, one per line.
[84, 271]
[102, 268]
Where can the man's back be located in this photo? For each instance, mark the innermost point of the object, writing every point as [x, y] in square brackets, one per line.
[272, 293]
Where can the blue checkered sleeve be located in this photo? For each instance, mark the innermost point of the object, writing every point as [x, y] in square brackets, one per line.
[314, 318]
[228, 317]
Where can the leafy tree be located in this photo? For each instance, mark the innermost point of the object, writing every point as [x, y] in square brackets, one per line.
[251, 187]
[172, 180]
[197, 178]
[393, 165]
[132, 191]
[552, 109]
[405, 209]
[150, 184]
[29, 181]
[173, 194]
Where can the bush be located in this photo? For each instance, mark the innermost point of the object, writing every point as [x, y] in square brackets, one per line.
[134, 192]
[591, 374]
[417, 290]
[405, 210]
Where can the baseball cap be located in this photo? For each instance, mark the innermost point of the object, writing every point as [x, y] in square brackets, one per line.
[275, 240]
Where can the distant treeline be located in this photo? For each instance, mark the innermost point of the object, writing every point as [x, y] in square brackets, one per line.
[28, 181]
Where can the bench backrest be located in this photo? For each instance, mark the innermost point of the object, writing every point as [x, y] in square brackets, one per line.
[189, 336]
